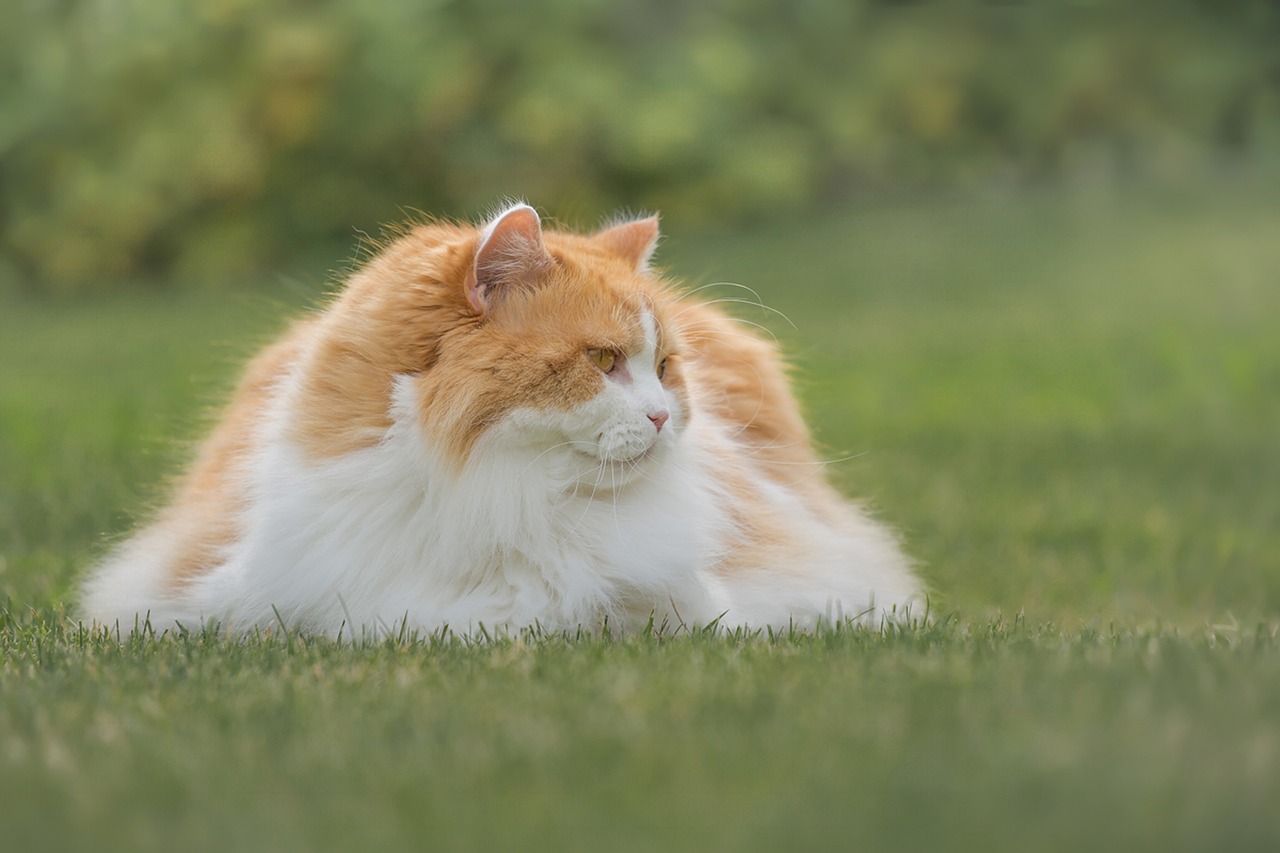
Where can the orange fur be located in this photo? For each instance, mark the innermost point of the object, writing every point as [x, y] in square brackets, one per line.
[207, 498]
[407, 312]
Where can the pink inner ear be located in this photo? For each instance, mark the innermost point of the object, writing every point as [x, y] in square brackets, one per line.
[634, 242]
[510, 254]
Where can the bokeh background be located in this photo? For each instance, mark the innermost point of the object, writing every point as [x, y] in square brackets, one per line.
[147, 140]
[1024, 256]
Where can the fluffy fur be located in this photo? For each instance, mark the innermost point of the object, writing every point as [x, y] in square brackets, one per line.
[502, 426]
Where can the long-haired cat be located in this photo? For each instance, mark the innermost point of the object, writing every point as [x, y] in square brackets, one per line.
[504, 426]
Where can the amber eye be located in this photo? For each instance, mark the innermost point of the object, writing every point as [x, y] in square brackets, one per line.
[603, 358]
[662, 369]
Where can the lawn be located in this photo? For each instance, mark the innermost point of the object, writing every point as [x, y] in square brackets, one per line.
[1068, 401]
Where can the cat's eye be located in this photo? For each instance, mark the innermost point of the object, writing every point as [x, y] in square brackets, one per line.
[662, 369]
[605, 359]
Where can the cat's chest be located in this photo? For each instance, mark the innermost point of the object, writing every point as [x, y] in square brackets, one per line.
[650, 533]
[506, 518]
[631, 526]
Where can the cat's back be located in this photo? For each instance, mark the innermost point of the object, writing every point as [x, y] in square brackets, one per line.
[191, 534]
[743, 380]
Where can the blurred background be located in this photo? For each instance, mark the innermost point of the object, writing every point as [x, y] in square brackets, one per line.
[168, 143]
[1024, 255]
[1025, 258]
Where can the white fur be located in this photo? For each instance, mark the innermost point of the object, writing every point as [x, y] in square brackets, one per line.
[558, 519]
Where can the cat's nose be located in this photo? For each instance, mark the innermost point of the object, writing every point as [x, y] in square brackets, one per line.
[659, 418]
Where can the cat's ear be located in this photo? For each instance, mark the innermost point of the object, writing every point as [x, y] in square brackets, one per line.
[633, 241]
[510, 254]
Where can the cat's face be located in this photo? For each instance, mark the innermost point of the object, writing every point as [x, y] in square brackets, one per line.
[574, 355]
[601, 401]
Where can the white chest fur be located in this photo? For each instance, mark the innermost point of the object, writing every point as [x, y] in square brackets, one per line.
[391, 534]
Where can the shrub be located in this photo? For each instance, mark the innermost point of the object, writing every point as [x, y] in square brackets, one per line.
[148, 138]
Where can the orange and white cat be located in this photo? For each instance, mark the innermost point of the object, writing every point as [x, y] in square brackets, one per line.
[502, 427]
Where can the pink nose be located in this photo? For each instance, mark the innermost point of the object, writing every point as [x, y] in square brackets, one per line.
[659, 419]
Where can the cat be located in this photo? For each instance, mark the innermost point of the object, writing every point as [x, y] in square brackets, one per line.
[497, 427]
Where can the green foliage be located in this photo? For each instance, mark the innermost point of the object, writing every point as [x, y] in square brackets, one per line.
[203, 140]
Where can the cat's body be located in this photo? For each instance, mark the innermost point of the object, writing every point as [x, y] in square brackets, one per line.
[502, 427]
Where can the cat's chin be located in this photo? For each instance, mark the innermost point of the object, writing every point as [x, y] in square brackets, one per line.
[649, 455]
[605, 474]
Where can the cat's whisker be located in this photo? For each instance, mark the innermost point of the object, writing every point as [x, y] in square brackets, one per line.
[818, 463]
[712, 284]
[756, 451]
[613, 482]
[765, 330]
[758, 301]
[760, 401]
[534, 461]
[634, 468]
[591, 497]
[731, 300]
[721, 333]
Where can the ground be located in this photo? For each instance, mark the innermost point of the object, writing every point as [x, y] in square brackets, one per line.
[1067, 400]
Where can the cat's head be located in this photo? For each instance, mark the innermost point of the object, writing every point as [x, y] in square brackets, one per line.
[565, 346]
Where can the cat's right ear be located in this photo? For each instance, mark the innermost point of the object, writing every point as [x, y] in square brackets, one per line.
[510, 254]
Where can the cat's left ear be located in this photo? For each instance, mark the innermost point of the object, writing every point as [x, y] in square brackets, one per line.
[633, 241]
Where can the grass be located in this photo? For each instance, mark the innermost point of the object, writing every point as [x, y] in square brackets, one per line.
[1069, 402]
[981, 737]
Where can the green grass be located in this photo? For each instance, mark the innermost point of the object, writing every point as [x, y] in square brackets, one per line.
[1000, 737]
[1069, 402]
